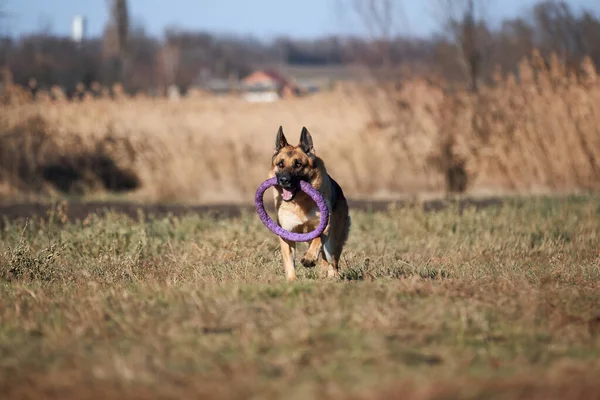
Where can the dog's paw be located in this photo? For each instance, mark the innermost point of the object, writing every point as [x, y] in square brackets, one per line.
[308, 262]
[333, 273]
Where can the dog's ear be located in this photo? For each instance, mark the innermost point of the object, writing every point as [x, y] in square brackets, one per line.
[280, 140]
[306, 142]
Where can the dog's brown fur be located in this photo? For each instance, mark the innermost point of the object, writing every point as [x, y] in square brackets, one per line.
[301, 214]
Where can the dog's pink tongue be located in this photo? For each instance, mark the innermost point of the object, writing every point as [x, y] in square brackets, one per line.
[287, 194]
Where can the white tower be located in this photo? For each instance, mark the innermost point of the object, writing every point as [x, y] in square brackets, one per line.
[78, 28]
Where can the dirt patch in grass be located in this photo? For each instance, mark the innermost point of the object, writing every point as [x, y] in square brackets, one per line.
[74, 210]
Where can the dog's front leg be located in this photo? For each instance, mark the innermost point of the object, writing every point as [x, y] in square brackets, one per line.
[312, 254]
[314, 249]
[288, 252]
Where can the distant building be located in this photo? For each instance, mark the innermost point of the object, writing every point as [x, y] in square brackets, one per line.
[267, 86]
[272, 82]
[78, 28]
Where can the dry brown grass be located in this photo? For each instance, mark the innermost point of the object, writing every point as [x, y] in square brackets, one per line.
[500, 303]
[538, 135]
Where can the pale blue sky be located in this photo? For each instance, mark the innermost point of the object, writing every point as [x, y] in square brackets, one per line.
[261, 18]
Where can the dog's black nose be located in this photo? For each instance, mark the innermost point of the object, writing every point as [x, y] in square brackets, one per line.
[284, 180]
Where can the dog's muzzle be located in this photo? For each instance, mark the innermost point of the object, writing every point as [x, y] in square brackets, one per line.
[288, 186]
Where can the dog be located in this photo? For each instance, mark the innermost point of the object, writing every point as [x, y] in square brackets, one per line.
[297, 212]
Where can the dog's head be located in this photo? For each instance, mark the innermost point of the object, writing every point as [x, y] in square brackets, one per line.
[292, 164]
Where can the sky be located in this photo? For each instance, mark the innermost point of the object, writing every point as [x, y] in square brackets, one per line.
[263, 19]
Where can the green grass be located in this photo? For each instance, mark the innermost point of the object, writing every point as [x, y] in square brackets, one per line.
[498, 303]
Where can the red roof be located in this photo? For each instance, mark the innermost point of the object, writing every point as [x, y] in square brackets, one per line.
[274, 75]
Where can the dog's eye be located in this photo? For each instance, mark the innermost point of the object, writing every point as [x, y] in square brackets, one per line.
[280, 164]
[297, 164]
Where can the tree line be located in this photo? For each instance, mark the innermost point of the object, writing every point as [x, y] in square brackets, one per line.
[466, 50]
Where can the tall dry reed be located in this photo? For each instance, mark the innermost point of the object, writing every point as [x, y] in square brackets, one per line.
[535, 132]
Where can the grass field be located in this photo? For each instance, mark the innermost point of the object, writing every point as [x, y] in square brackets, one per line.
[500, 303]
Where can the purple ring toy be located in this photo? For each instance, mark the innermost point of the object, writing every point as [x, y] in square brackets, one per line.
[276, 229]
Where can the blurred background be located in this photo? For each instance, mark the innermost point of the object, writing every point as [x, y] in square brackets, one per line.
[180, 101]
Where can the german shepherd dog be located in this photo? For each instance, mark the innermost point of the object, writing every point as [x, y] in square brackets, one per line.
[297, 212]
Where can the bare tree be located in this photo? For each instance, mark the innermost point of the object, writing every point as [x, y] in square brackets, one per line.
[514, 40]
[464, 21]
[119, 30]
[5, 73]
[170, 61]
[381, 20]
[560, 30]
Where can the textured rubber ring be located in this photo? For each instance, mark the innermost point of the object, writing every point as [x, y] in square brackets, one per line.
[278, 230]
